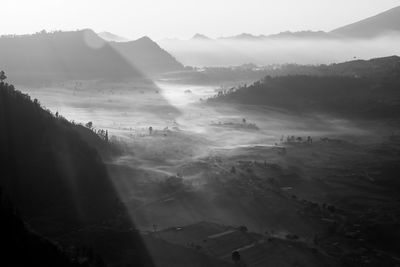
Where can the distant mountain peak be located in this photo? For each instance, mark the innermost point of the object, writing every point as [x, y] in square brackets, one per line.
[147, 56]
[144, 39]
[199, 36]
[300, 34]
[244, 36]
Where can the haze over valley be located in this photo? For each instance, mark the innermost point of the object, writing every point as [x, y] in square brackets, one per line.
[244, 150]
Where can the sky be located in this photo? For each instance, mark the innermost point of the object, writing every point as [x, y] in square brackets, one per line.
[161, 19]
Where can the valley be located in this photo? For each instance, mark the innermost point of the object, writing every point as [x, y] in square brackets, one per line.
[231, 166]
[269, 138]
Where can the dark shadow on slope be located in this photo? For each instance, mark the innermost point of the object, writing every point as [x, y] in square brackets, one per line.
[58, 182]
[23, 247]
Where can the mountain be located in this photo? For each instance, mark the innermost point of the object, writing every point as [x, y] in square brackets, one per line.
[147, 56]
[384, 23]
[300, 35]
[387, 22]
[281, 35]
[243, 37]
[302, 47]
[62, 56]
[80, 55]
[199, 36]
[110, 37]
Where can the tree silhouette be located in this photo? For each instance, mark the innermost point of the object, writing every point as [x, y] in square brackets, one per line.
[2, 76]
[236, 257]
[89, 125]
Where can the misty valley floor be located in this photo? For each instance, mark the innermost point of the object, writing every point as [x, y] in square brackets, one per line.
[203, 172]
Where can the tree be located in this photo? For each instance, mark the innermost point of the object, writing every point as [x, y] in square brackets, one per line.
[236, 257]
[89, 125]
[2, 76]
[243, 228]
[233, 169]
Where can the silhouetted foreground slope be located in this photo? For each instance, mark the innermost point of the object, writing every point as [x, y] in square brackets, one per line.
[367, 89]
[22, 247]
[50, 173]
[62, 189]
[56, 180]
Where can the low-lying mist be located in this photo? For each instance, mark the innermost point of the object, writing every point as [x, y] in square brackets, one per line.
[224, 52]
[183, 126]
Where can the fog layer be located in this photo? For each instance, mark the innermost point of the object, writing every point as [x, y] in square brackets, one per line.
[223, 52]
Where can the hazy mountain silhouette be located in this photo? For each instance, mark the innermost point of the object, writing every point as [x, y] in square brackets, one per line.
[387, 22]
[300, 35]
[261, 37]
[80, 55]
[111, 37]
[244, 36]
[62, 56]
[358, 40]
[147, 56]
[199, 36]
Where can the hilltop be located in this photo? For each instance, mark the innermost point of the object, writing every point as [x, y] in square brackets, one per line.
[366, 89]
[146, 56]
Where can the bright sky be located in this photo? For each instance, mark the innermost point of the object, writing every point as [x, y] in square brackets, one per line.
[160, 19]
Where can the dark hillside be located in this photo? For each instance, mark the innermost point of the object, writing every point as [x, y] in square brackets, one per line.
[22, 247]
[340, 95]
[47, 168]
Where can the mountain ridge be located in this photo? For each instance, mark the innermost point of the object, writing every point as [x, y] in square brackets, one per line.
[80, 55]
[387, 22]
[389, 18]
